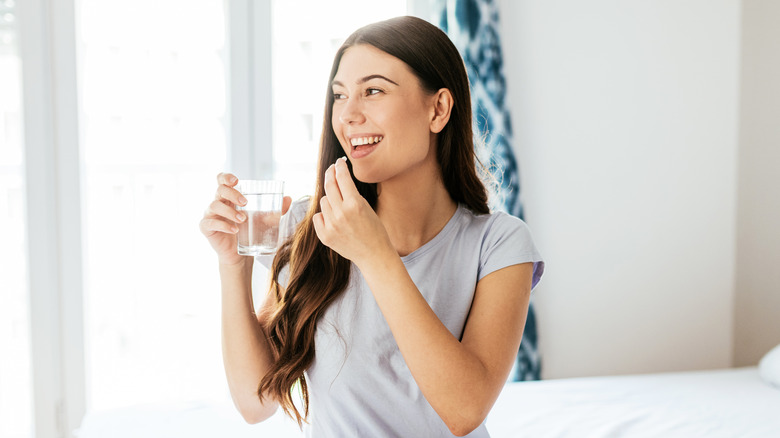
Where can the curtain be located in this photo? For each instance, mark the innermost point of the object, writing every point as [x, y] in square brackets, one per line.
[473, 26]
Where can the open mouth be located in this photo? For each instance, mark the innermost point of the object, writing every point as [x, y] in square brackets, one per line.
[364, 146]
[361, 142]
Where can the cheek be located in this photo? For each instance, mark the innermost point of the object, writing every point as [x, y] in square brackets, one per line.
[416, 134]
[335, 125]
[415, 119]
[334, 122]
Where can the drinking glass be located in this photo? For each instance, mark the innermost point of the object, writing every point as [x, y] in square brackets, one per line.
[259, 233]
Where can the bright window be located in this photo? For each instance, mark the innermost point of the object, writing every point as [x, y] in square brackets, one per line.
[152, 82]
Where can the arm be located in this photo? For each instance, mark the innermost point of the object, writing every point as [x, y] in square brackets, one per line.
[245, 350]
[460, 379]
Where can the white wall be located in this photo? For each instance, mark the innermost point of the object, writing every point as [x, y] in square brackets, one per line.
[625, 117]
[757, 303]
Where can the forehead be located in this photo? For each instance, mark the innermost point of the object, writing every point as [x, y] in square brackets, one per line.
[364, 60]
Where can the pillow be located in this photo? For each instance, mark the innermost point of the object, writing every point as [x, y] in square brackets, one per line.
[769, 367]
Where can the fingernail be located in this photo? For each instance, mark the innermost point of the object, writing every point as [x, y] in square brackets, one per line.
[240, 217]
[345, 159]
[242, 200]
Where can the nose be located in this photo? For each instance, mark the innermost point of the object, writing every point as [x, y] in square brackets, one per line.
[352, 112]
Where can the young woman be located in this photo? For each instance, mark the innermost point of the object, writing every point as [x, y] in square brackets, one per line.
[397, 300]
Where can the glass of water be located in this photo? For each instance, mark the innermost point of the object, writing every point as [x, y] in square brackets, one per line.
[259, 233]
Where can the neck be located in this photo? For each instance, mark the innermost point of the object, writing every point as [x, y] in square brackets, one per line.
[414, 209]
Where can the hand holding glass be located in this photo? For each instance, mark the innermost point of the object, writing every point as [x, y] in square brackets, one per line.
[259, 233]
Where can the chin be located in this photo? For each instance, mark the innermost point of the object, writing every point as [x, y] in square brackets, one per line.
[366, 177]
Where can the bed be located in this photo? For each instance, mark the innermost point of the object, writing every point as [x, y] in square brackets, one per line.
[717, 403]
[712, 404]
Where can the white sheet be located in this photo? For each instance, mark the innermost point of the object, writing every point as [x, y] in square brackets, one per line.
[711, 404]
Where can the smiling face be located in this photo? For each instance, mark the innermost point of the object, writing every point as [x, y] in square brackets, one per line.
[381, 115]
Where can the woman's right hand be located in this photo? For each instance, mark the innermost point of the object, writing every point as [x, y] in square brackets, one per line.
[220, 220]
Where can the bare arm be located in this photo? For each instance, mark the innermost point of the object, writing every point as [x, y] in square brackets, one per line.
[245, 350]
[460, 379]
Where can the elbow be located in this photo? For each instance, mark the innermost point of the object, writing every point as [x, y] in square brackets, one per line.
[253, 417]
[464, 426]
[253, 411]
[462, 429]
[466, 419]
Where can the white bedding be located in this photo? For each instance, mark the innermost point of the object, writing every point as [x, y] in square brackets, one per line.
[712, 404]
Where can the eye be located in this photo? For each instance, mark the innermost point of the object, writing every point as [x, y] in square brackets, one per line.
[373, 91]
[339, 96]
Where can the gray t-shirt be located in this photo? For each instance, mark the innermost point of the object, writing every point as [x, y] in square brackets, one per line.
[359, 384]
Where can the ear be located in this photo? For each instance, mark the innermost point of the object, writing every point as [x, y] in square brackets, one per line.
[441, 109]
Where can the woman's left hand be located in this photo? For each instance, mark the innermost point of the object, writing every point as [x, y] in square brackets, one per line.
[347, 224]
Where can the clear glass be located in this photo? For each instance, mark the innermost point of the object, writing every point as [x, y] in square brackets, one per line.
[16, 404]
[303, 50]
[152, 91]
[259, 233]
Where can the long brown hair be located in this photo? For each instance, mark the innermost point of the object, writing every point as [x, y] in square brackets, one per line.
[316, 274]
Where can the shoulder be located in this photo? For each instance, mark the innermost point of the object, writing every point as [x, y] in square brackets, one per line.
[299, 207]
[494, 225]
[503, 240]
[294, 215]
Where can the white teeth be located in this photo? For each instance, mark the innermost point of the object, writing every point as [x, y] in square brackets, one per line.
[360, 141]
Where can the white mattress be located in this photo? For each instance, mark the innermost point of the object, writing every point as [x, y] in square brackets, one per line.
[712, 404]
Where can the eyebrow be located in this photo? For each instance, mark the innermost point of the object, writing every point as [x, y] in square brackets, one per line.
[366, 79]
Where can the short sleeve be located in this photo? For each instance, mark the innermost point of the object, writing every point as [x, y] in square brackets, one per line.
[507, 241]
[287, 225]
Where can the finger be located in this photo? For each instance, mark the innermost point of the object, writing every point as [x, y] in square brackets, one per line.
[229, 194]
[331, 187]
[220, 209]
[326, 210]
[344, 180]
[319, 226]
[227, 179]
[286, 202]
[209, 226]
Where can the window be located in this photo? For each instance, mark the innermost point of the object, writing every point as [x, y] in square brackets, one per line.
[15, 376]
[153, 122]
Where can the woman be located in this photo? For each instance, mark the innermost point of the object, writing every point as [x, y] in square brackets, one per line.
[397, 301]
